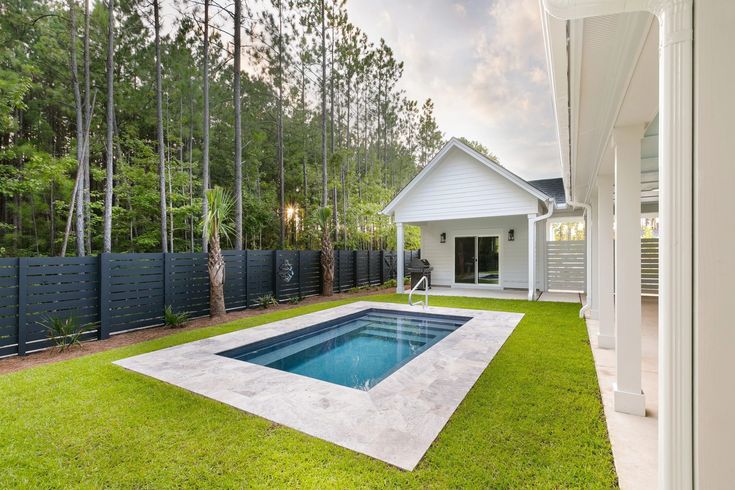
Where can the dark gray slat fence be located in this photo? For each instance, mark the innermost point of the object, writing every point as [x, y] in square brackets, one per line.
[375, 267]
[114, 293]
[8, 307]
[134, 291]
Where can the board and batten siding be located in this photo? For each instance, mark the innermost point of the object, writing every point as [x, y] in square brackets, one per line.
[462, 187]
[513, 255]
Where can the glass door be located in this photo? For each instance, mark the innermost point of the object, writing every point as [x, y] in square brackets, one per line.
[488, 260]
[464, 259]
[477, 260]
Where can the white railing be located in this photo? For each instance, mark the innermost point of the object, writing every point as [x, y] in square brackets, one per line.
[425, 302]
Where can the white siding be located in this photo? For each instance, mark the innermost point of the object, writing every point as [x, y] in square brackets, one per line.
[461, 187]
[513, 255]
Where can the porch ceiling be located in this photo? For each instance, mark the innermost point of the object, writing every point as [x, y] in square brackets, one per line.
[609, 70]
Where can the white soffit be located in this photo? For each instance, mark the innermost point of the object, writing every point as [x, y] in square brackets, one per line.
[603, 56]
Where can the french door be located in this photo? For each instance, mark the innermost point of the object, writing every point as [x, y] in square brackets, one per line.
[477, 260]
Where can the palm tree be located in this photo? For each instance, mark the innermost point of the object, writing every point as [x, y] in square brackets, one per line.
[324, 216]
[216, 223]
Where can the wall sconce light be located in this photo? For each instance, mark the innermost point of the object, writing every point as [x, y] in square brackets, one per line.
[511, 235]
[443, 238]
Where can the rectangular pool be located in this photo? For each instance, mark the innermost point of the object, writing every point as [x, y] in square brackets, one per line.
[357, 351]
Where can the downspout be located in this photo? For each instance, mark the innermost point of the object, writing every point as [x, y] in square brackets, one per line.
[532, 248]
[588, 252]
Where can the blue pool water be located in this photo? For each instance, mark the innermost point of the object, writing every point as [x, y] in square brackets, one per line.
[357, 351]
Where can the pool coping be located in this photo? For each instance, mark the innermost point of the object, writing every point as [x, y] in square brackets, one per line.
[396, 421]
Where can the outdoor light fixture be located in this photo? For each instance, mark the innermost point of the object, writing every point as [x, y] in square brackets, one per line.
[511, 235]
[443, 238]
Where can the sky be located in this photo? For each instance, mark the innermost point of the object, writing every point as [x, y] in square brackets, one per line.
[482, 62]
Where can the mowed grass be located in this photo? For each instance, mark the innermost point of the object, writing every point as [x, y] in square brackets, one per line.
[534, 419]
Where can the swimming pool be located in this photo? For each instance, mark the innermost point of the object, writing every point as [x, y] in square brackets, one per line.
[357, 351]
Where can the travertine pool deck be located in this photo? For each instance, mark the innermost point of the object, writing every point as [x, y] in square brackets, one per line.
[396, 421]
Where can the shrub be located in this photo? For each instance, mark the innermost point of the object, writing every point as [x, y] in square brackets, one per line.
[174, 319]
[294, 300]
[267, 300]
[64, 332]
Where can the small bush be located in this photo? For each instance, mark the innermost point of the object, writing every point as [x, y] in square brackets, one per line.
[266, 301]
[294, 300]
[64, 332]
[174, 319]
[390, 283]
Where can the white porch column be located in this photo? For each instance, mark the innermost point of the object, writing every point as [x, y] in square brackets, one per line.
[605, 263]
[628, 397]
[399, 258]
[531, 257]
[591, 234]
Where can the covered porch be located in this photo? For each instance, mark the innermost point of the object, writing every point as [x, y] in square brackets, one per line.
[621, 74]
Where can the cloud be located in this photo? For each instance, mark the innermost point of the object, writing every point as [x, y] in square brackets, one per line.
[482, 62]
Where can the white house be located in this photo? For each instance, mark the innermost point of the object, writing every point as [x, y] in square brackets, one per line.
[619, 69]
[481, 225]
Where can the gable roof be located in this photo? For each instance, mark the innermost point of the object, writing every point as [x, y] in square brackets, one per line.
[554, 188]
[488, 162]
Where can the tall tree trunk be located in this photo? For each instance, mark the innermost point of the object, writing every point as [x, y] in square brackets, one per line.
[281, 173]
[331, 88]
[324, 107]
[205, 129]
[191, 166]
[109, 169]
[159, 120]
[305, 205]
[238, 127]
[79, 189]
[87, 116]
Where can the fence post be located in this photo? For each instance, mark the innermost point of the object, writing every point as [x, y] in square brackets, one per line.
[337, 269]
[275, 275]
[382, 267]
[354, 267]
[22, 303]
[104, 331]
[167, 285]
[298, 270]
[245, 277]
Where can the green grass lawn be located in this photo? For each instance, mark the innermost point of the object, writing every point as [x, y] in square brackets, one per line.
[534, 419]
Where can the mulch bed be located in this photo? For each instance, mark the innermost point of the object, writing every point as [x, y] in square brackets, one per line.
[18, 363]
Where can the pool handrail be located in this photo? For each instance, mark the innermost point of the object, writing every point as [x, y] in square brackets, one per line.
[425, 302]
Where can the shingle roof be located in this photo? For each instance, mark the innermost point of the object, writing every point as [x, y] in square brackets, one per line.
[554, 188]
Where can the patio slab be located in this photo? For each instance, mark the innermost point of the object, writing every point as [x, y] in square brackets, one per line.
[521, 294]
[396, 421]
[634, 439]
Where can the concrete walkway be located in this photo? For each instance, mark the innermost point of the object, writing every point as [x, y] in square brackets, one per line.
[634, 439]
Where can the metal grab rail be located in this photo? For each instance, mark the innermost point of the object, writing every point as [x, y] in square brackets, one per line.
[425, 302]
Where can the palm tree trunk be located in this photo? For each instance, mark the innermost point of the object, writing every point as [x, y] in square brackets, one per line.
[216, 268]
